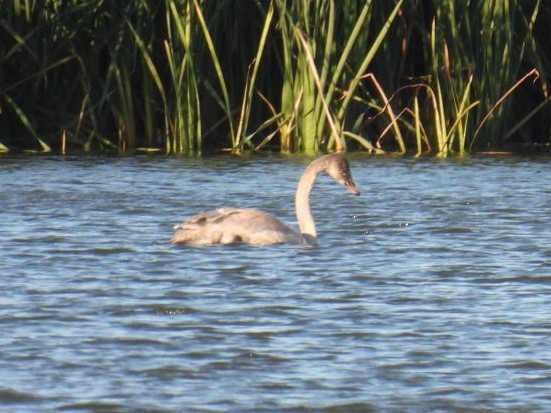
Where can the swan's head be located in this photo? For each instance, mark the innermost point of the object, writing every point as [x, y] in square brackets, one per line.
[338, 168]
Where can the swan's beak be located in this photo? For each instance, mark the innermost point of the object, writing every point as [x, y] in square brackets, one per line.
[351, 186]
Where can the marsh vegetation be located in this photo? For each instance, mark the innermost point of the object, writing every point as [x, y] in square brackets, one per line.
[188, 76]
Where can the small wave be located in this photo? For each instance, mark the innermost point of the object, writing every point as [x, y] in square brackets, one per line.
[10, 396]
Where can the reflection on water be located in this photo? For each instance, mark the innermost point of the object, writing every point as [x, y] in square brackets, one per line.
[430, 292]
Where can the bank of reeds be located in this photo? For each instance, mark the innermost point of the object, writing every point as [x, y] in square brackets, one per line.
[183, 76]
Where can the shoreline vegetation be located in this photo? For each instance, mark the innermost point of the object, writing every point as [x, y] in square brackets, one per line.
[416, 77]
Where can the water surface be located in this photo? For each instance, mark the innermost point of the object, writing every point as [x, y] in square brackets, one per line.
[430, 292]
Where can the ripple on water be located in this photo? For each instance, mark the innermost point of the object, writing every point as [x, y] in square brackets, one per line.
[427, 293]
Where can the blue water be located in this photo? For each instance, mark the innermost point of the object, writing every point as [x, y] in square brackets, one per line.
[429, 292]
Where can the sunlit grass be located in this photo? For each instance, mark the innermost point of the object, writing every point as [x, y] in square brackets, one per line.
[440, 78]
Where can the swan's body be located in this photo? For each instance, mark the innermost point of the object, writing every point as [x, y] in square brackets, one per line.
[226, 226]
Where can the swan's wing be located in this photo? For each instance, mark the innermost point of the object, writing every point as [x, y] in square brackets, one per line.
[256, 227]
[205, 229]
[206, 218]
[225, 226]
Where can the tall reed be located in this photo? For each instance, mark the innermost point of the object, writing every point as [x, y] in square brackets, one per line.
[405, 76]
[178, 88]
[341, 52]
[477, 51]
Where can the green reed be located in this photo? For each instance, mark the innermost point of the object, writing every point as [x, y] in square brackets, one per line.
[477, 49]
[471, 57]
[325, 52]
[403, 76]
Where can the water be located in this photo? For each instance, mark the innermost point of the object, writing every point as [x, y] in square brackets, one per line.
[430, 292]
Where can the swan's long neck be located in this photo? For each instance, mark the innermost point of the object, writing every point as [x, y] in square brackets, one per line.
[302, 203]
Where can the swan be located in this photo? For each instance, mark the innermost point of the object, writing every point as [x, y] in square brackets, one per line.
[227, 226]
